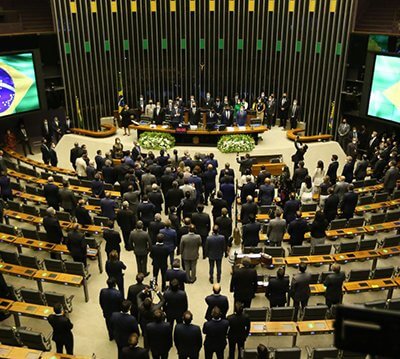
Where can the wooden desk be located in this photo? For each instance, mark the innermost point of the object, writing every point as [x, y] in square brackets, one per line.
[371, 284]
[34, 244]
[357, 256]
[255, 259]
[33, 163]
[5, 304]
[367, 189]
[10, 352]
[389, 251]
[274, 168]
[311, 327]
[265, 216]
[377, 206]
[317, 289]
[387, 226]
[345, 232]
[315, 259]
[17, 271]
[29, 310]
[273, 328]
[7, 238]
[61, 278]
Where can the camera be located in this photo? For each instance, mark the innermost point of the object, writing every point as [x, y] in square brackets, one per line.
[153, 284]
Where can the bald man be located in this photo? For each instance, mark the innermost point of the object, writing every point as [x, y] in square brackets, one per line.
[217, 300]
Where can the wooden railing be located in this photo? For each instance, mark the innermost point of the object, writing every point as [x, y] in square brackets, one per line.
[292, 134]
[110, 130]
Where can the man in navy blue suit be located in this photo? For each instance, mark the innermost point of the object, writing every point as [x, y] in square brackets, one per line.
[215, 330]
[187, 338]
[159, 334]
[216, 300]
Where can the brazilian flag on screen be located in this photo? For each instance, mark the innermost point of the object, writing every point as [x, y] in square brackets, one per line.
[18, 86]
[384, 101]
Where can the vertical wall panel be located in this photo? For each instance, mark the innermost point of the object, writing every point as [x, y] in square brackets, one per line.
[169, 48]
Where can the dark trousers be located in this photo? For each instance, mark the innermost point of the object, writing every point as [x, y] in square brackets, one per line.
[120, 284]
[155, 275]
[207, 193]
[330, 302]
[217, 263]
[209, 354]
[245, 301]
[296, 304]
[26, 146]
[109, 327]
[283, 121]
[68, 344]
[232, 345]
[293, 123]
[182, 356]
[159, 355]
[125, 236]
[203, 244]
[141, 262]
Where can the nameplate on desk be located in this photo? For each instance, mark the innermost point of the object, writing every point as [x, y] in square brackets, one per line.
[242, 128]
[193, 127]
[230, 129]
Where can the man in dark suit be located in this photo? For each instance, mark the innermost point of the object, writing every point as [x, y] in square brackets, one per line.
[126, 221]
[332, 169]
[277, 289]
[244, 283]
[46, 131]
[51, 193]
[139, 241]
[209, 182]
[45, 149]
[82, 214]
[283, 110]
[177, 273]
[108, 206]
[53, 229]
[348, 169]
[299, 175]
[68, 200]
[146, 211]
[211, 119]
[333, 285]
[194, 115]
[245, 163]
[132, 351]
[373, 143]
[361, 169]
[154, 227]
[224, 224]
[266, 193]
[173, 196]
[390, 178]
[300, 288]
[110, 302]
[62, 326]
[251, 232]
[160, 253]
[379, 168]
[123, 325]
[156, 198]
[349, 203]
[112, 238]
[248, 189]
[158, 114]
[217, 204]
[98, 186]
[297, 229]
[77, 244]
[294, 114]
[227, 116]
[239, 328]
[228, 172]
[216, 299]
[23, 137]
[109, 173]
[187, 338]
[159, 334]
[290, 208]
[331, 205]
[215, 331]
[176, 302]
[215, 250]
[75, 153]
[202, 223]
[133, 292]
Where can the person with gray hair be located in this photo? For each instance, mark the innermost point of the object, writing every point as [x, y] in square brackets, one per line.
[276, 229]
[53, 230]
[52, 194]
[126, 221]
[139, 241]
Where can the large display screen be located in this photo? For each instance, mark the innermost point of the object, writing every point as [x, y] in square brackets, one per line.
[384, 100]
[18, 84]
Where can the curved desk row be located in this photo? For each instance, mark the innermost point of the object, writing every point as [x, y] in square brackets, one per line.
[110, 130]
[292, 134]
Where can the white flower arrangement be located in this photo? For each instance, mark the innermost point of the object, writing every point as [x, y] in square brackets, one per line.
[236, 143]
[156, 140]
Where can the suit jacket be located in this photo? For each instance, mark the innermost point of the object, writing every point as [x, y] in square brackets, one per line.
[188, 339]
[332, 171]
[299, 176]
[300, 287]
[51, 192]
[61, 328]
[108, 206]
[67, 199]
[157, 199]
[331, 206]
[244, 284]
[77, 244]
[178, 274]
[266, 194]
[159, 336]
[228, 192]
[340, 189]
[109, 174]
[134, 353]
[82, 216]
[276, 230]
[297, 229]
[333, 284]
[225, 226]
[347, 172]
[227, 117]
[45, 153]
[239, 327]
[176, 303]
[146, 211]
[349, 204]
[113, 239]
[294, 112]
[98, 189]
[251, 234]
[110, 301]
[159, 253]
[173, 197]
[217, 300]
[132, 295]
[202, 223]
[215, 331]
[290, 209]
[217, 205]
[215, 247]
[153, 229]
[123, 325]
[189, 247]
[194, 118]
[283, 109]
[158, 116]
[53, 229]
[277, 291]
[390, 179]
[140, 242]
[361, 170]
[125, 220]
[248, 189]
